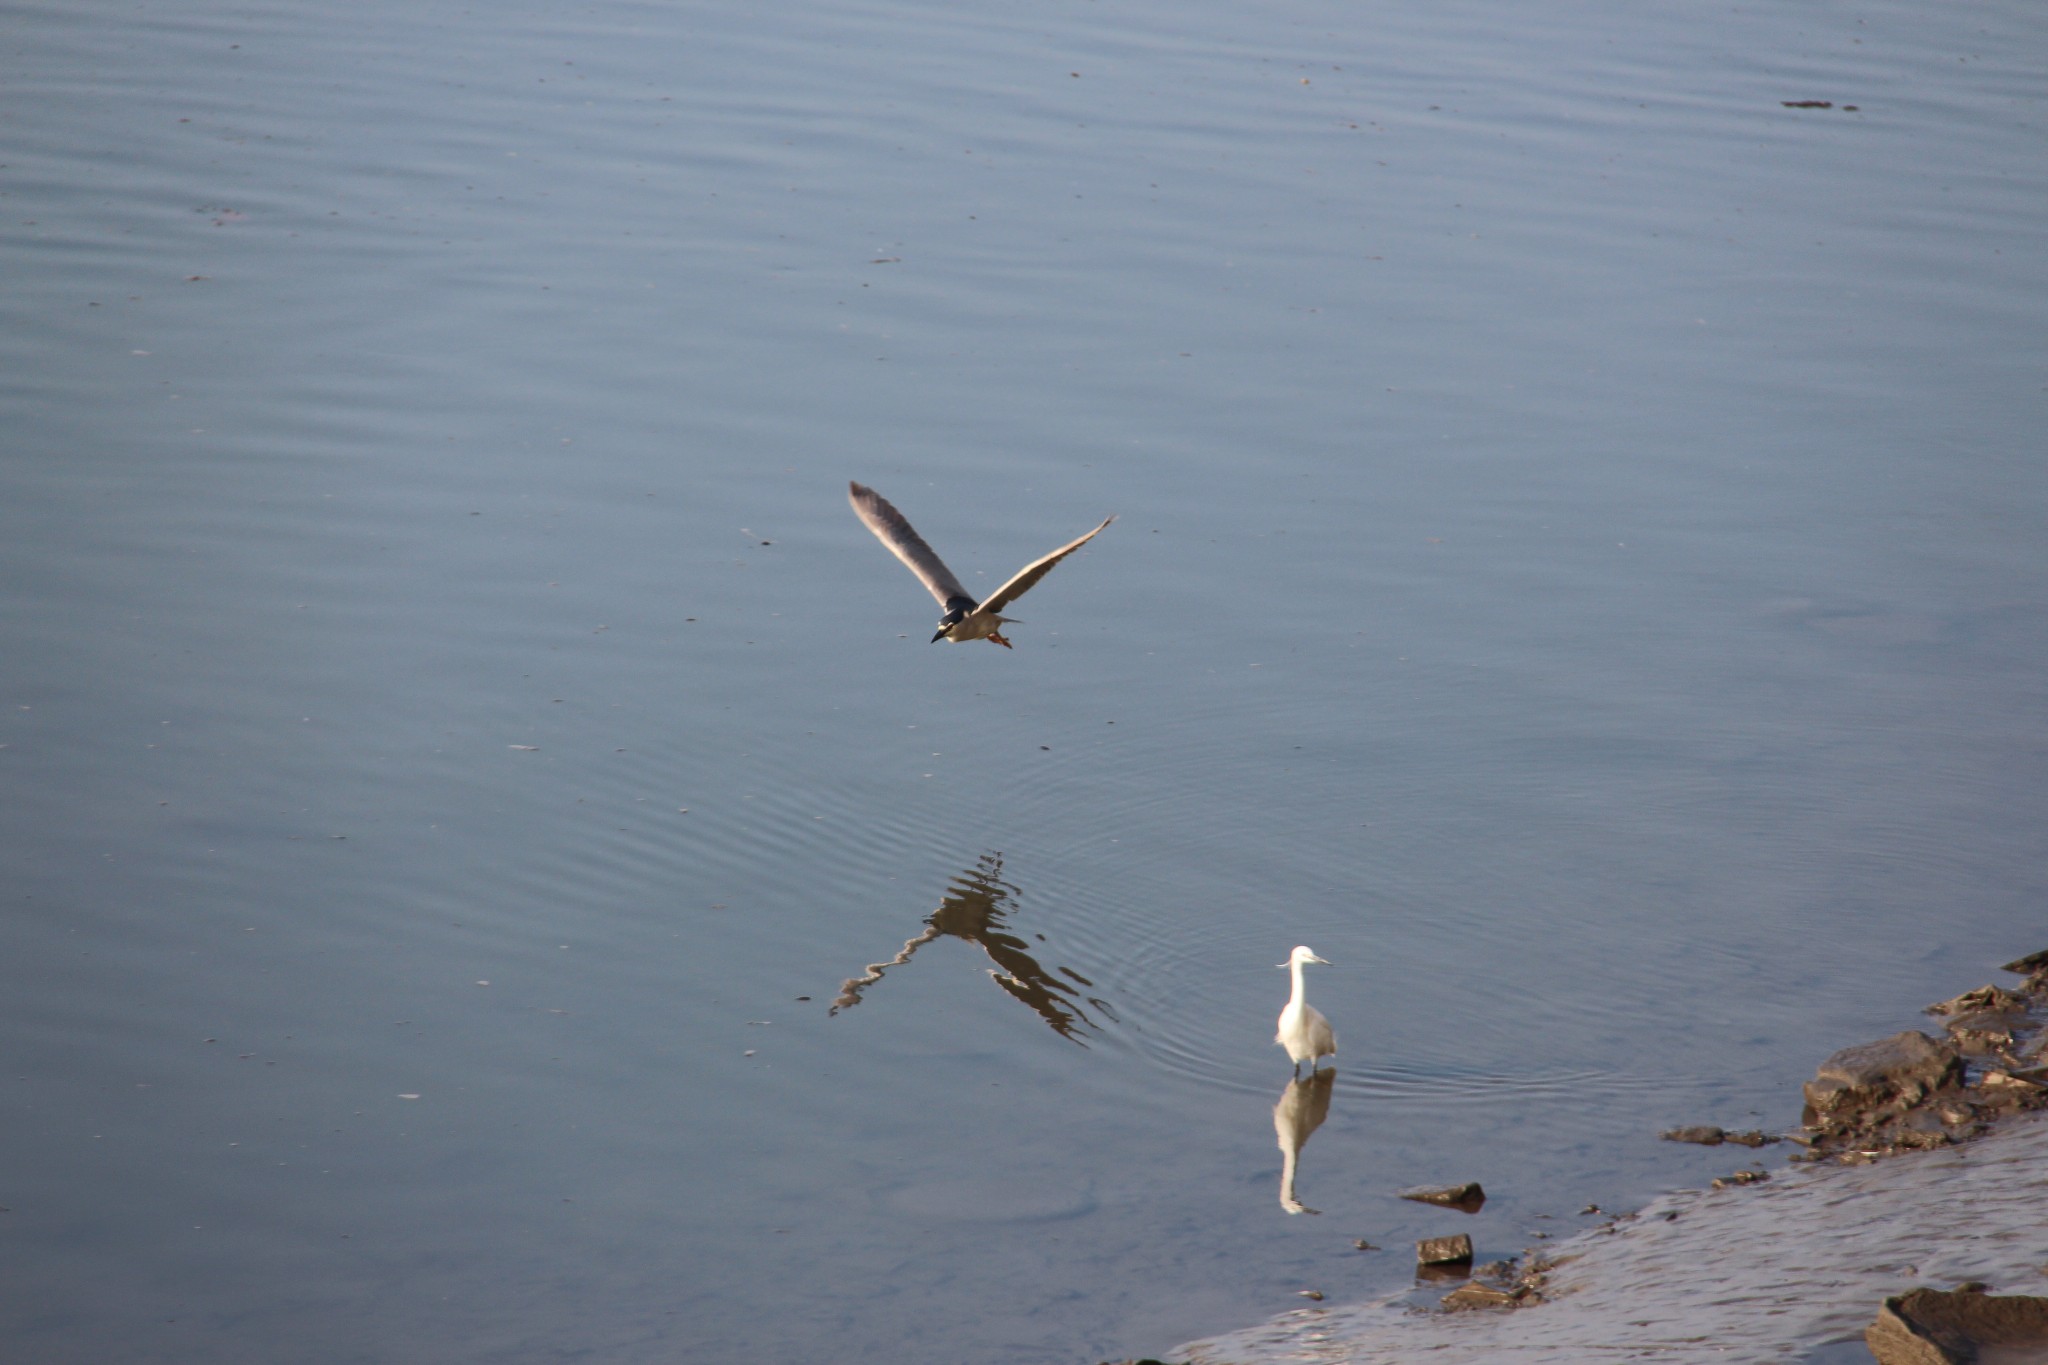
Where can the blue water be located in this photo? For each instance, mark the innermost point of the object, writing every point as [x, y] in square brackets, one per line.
[1578, 566]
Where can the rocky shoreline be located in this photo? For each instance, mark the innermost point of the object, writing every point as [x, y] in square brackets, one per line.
[1947, 1165]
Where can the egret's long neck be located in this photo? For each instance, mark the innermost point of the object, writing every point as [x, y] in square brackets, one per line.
[1294, 970]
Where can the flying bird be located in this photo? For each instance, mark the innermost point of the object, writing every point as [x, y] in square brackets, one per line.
[965, 618]
[1304, 1032]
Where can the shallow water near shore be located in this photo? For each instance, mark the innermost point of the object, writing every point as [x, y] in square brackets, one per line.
[498, 874]
[1790, 1270]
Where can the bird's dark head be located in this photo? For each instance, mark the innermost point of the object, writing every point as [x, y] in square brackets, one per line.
[956, 611]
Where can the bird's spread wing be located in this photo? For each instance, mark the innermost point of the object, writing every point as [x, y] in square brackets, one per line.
[907, 545]
[1021, 582]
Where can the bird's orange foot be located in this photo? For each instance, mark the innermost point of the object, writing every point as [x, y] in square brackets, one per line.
[995, 637]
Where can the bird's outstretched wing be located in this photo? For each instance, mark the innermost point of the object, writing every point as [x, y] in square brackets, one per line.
[907, 545]
[1021, 582]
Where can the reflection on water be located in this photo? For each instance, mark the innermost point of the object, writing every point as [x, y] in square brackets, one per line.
[976, 906]
[1303, 1106]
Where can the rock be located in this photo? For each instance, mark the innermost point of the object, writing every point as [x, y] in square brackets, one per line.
[1911, 1092]
[1978, 1032]
[1707, 1135]
[1997, 1080]
[1929, 1327]
[1470, 1296]
[2033, 964]
[1903, 1067]
[1723, 1182]
[1465, 1198]
[1983, 998]
[1919, 1130]
[1453, 1250]
[1872, 1081]
[1905, 1093]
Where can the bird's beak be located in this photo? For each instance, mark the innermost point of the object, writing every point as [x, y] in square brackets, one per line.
[938, 637]
[1324, 960]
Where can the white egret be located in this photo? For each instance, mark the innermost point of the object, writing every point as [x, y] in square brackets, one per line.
[965, 618]
[1304, 1032]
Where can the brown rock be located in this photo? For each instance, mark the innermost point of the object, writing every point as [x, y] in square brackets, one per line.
[1903, 1067]
[1922, 1129]
[1465, 1198]
[1909, 1092]
[2030, 965]
[1453, 1250]
[1986, 1031]
[1707, 1135]
[1983, 998]
[2003, 1080]
[1929, 1327]
[1470, 1296]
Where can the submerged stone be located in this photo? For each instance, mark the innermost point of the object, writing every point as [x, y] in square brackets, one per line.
[1707, 1135]
[1470, 1296]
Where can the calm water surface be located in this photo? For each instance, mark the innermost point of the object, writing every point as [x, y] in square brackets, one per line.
[496, 872]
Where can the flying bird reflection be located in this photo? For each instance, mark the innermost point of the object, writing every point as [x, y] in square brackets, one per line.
[976, 908]
[1303, 1106]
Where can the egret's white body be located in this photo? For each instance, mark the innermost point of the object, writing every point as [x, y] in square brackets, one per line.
[1304, 1032]
[965, 618]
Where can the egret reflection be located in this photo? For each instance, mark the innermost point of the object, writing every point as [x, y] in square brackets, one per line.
[977, 906]
[1303, 1106]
